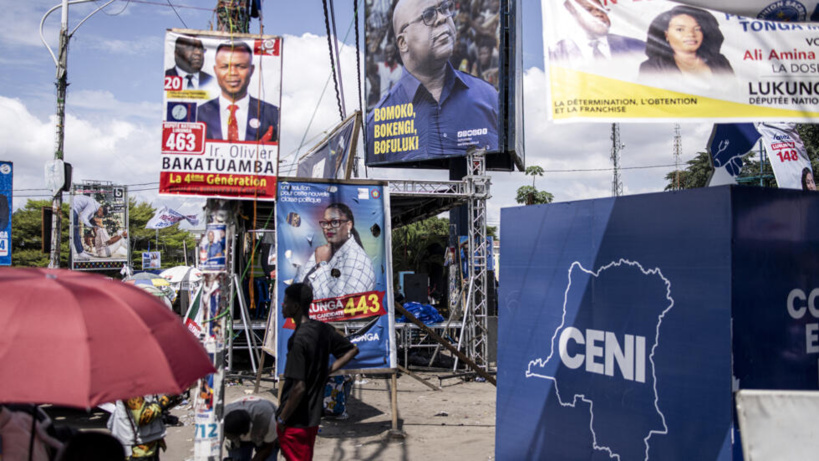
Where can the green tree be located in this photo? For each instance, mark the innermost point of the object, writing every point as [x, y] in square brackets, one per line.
[695, 175]
[810, 137]
[529, 195]
[170, 238]
[419, 246]
[27, 238]
[751, 175]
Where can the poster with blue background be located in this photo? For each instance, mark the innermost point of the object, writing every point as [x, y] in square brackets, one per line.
[6, 186]
[335, 236]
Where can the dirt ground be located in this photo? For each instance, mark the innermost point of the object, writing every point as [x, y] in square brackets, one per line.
[457, 421]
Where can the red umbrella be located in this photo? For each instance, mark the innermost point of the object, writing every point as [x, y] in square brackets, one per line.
[80, 339]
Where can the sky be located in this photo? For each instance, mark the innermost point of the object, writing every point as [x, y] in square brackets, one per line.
[114, 113]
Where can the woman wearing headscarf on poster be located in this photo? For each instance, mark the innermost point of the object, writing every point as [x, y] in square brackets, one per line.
[340, 267]
[685, 43]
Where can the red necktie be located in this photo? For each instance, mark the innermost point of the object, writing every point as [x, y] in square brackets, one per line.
[233, 126]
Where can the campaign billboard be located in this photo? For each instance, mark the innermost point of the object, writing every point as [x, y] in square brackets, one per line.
[662, 61]
[221, 100]
[6, 193]
[151, 260]
[99, 226]
[333, 156]
[335, 236]
[628, 323]
[434, 70]
[775, 10]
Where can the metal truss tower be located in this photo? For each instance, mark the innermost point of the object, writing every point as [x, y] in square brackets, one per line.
[616, 146]
[477, 183]
[677, 155]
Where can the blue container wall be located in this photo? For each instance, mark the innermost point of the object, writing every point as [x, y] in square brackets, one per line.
[615, 324]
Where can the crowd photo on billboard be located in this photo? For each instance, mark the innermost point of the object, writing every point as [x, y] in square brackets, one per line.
[99, 226]
[432, 79]
[221, 103]
[333, 237]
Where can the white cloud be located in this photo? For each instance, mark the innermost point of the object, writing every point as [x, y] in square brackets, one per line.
[113, 140]
[106, 104]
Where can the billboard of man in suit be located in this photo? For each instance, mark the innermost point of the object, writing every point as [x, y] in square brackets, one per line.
[593, 42]
[235, 115]
[189, 57]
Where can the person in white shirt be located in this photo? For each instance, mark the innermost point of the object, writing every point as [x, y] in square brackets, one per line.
[83, 207]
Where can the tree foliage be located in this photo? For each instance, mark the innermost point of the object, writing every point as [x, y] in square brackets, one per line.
[529, 195]
[695, 175]
[27, 238]
[419, 246]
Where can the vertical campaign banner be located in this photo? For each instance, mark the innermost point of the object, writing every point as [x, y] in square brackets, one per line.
[433, 72]
[151, 260]
[6, 189]
[665, 61]
[99, 226]
[787, 154]
[222, 93]
[336, 237]
[333, 157]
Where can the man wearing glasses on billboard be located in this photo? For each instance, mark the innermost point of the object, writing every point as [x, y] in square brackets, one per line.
[189, 56]
[434, 110]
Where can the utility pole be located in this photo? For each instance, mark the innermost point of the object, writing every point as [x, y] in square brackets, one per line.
[677, 155]
[62, 85]
[616, 146]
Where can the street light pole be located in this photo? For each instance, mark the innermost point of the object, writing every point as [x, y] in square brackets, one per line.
[62, 84]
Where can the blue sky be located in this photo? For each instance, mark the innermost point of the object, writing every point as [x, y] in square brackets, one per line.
[114, 102]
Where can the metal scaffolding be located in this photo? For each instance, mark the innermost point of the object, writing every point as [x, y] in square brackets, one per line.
[477, 183]
[416, 200]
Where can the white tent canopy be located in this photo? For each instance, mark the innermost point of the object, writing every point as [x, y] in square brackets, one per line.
[177, 274]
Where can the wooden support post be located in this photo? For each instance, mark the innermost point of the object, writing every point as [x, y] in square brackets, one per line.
[259, 372]
[395, 432]
[482, 373]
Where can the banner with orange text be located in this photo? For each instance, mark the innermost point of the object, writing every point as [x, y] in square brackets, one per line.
[220, 135]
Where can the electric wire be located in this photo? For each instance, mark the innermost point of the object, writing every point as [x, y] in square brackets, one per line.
[177, 14]
[332, 60]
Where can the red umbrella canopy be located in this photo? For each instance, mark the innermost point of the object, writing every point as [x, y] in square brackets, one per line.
[80, 339]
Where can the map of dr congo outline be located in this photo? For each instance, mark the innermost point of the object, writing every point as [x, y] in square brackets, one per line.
[617, 281]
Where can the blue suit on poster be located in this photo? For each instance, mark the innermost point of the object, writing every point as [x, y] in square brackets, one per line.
[262, 117]
[408, 124]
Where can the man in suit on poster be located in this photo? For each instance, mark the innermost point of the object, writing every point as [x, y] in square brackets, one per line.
[189, 56]
[451, 110]
[235, 115]
[593, 42]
